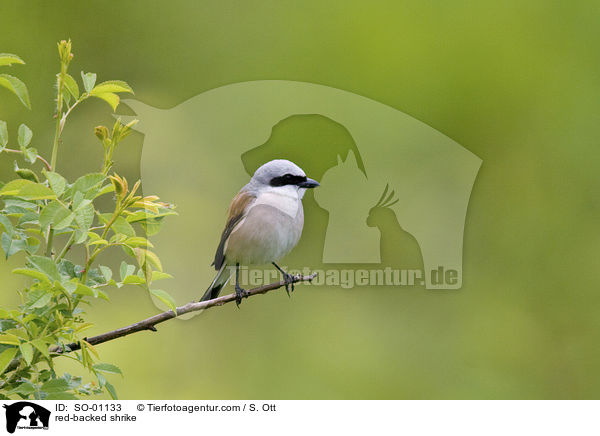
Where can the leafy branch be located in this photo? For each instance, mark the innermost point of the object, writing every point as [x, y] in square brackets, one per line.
[44, 216]
[151, 322]
[41, 211]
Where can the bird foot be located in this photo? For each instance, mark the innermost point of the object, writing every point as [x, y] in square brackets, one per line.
[290, 281]
[239, 294]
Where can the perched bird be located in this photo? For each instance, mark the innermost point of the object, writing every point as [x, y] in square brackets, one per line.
[265, 222]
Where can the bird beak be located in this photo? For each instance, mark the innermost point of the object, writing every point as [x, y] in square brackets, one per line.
[308, 183]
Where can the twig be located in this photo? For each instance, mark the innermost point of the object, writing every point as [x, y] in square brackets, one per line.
[150, 323]
[38, 157]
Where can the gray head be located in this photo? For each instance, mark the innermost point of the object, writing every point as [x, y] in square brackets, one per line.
[282, 172]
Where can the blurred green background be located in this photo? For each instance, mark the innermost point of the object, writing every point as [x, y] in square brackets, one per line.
[517, 83]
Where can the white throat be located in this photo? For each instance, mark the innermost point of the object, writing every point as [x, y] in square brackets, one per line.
[285, 198]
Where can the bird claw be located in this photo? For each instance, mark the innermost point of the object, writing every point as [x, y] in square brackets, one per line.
[239, 294]
[289, 281]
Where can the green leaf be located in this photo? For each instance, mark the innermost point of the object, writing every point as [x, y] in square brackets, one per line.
[105, 190]
[126, 270]
[87, 182]
[84, 326]
[120, 225]
[112, 99]
[101, 379]
[159, 275]
[24, 135]
[79, 200]
[32, 245]
[111, 86]
[6, 357]
[97, 241]
[16, 206]
[84, 215]
[27, 352]
[30, 154]
[89, 79]
[9, 59]
[134, 280]
[111, 391]
[61, 222]
[20, 332]
[13, 187]
[107, 367]
[42, 346]
[85, 290]
[8, 227]
[71, 285]
[26, 388]
[165, 298]
[10, 245]
[66, 95]
[56, 385]
[17, 87]
[131, 252]
[45, 265]
[47, 214]
[9, 339]
[80, 236]
[36, 191]
[38, 299]
[152, 226]
[71, 86]
[142, 215]
[57, 182]
[26, 173]
[106, 272]
[138, 241]
[57, 215]
[32, 273]
[27, 189]
[3, 134]
[28, 218]
[153, 259]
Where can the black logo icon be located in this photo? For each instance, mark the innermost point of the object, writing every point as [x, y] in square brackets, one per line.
[24, 414]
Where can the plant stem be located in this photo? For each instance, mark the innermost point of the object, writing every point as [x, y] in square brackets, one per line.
[87, 264]
[64, 120]
[96, 252]
[59, 123]
[59, 118]
[38, 157]
[49, 241]
[110, 223]
[66, 247]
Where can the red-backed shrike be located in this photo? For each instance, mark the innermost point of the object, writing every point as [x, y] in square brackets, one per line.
[265, 222]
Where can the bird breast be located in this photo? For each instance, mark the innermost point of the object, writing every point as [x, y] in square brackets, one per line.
[271, 228]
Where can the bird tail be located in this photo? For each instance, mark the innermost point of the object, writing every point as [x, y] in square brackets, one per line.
[218, 283]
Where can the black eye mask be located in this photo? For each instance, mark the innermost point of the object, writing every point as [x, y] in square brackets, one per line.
[287, 179]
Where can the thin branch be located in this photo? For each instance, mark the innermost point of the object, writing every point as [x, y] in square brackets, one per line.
[66, 248]
[38, 157]
[150, 323]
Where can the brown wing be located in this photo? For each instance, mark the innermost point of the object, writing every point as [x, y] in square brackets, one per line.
[237, 211]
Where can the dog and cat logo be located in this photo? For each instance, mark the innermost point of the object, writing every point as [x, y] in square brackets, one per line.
[360, 150]
[26, 415]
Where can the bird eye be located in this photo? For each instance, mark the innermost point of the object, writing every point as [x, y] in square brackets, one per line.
[287, 179]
